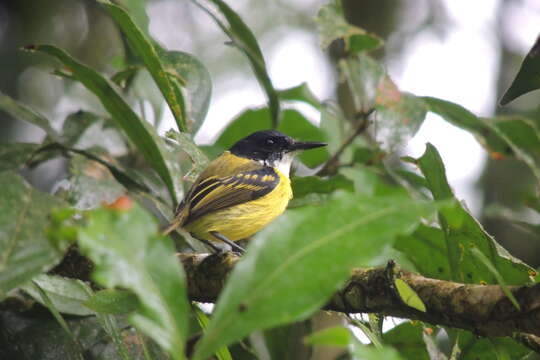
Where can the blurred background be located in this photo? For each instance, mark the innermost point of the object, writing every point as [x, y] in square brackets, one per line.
[465, 52]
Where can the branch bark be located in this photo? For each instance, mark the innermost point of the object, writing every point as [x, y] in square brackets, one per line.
[482, 309]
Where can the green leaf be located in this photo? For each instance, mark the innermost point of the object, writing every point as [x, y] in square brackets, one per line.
[306, 185]
[15, 155]
[66, 295]
[112, 301]
[129, 253]
[528, 77]
[293, 124]
[399, 116]
[242, 37]
[364, 77]
[426, 249]
[124, 116]
[24, 248]
[366, 352]
[22, 112]
[502, 136]
[181, 142]
[409, 296]
[473, 347]
[301, 93]
[222, 353]
[275, 283]
[335, 336]
[332, 26]
[60, 319]
[463, 232]
[406, 338]
[500, 280]
[142, 46]
[198, 84]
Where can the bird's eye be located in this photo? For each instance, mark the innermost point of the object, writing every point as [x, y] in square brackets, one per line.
[270, 141]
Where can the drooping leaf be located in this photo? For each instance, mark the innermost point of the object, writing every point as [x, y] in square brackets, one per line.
[198, 84]
[128, 252]
[275, 282]
[124, 116]
[22, 112]
[409, 296]
[66, 295]
[144, 48]
[113, 301]
[293, 124]
[332, 26]
[463, 233]
[242, 37]
[528, 77]
[24, 248]
[335, 336]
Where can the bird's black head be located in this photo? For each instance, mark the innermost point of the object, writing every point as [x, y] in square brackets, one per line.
[269, 146]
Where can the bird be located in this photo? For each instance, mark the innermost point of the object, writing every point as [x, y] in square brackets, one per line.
[241, 191]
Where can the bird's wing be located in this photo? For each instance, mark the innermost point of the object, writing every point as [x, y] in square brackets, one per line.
[216, 193]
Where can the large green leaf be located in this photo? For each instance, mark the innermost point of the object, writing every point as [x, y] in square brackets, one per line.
[25, 250]
[198, 84]
[148, 54]
[528, 77]
[293, 124]
[242, 37]
[128, 253]
[124, 116]
[22, 112]
[276, 282]
[332, 26]
[463, 233]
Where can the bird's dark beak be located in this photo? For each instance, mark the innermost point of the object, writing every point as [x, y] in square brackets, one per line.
[306, 145]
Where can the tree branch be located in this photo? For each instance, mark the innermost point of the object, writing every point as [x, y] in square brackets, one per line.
[482, 309]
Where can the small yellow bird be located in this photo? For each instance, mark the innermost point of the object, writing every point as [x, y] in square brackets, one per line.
[241, 191]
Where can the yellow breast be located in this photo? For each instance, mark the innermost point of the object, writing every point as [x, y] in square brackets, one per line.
[243, 220]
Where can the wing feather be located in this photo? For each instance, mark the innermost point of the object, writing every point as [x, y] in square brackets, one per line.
[214, 193]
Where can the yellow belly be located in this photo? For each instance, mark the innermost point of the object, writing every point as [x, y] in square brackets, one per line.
[241, 221]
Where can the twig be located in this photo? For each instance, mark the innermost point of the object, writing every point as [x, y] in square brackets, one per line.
[330, 166]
